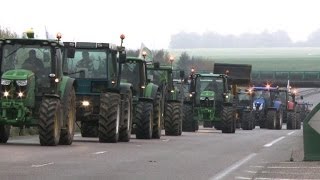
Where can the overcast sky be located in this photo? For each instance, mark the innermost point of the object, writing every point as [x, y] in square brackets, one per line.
[154, 21]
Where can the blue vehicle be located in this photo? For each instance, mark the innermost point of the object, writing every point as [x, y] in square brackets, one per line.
[267, 107]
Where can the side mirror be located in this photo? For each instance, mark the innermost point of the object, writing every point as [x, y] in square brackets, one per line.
[70, 52]
[181, 74]
[122, 56]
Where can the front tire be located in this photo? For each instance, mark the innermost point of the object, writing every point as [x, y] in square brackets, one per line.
[291, 120]
[144, 120]
[125, 129]
[172, 121]
[109, 118]
[157, 117]
[228, 120]
[49, 122]
[4, 133]
[189, 124]
[67, 132]
[271, 119]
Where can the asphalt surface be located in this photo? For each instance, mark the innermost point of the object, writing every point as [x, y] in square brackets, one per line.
[207, 154]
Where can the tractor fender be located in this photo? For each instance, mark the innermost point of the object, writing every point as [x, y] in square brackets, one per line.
[277, 104]
[125, 87]
[151, 90]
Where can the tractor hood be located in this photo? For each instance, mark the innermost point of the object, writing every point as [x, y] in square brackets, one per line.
[258, 104]
[207, 94]
[17, 74]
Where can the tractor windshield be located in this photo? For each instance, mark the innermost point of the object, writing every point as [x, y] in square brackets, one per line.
[209, 84]
[36, 58]
[131, 74]
[90, 63]
[159, 76]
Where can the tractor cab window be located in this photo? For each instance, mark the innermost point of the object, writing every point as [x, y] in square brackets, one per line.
[158, 76]
[209, 84]
[35, 58]
[261, 94]
[131, 74]
[90, 63]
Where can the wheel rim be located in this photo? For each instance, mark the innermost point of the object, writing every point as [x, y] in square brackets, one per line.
[118, 119]
[71, 116]
[129, 117]
[56, 124]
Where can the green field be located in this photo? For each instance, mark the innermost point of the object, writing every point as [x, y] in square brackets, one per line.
[264, 59]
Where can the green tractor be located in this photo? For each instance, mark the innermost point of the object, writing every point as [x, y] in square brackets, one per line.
[171, 101]
[213, 102]
[146, 99]
[104, 106]
[34, 90]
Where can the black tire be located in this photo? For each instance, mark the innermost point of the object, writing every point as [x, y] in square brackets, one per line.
[228, 120]
[69, 106]
[50, 122]
[144, 120]
[89, 129]
[188, 124]
[109, 118]
[4, 133]
[246, 121]
[172, 119]
[157, 117]
[271, 119]
[298, 121]
[279, 120]
[291, 120]
[125, 129]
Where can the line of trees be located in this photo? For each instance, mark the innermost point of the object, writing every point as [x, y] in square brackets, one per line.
[183, 40]
[7, 33]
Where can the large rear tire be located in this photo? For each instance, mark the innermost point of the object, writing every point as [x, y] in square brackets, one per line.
[228, 120]
[271, 119]
[69, 106]
[189, 124]
[109, 117]
[125, 129]
[157, 117]
[89, 129]
[279, 120]
[49, 122]
[4, 133]
[298, 121]
[247, 120]
[172, 119]
[144, 120]
[291, 120]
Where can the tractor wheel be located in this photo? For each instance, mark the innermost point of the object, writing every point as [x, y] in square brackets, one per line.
[49, 121]
[144, 120]
[109, 118]
[246, 121]
[125, 129]
[4, 133]
[279, 120]
[298, 121]
[89, 129]
[172, 119]
[291, 120]
[271, 119]
[69, 106]
[188, 124]
[157, 117]
[228, 120]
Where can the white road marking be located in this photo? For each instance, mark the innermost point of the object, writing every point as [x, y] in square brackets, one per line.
[165, 140]
[279, 179]
[286, 167]
[233, 167]
[239, 177]
[290, 133]
[100, 152]
[257, 166]
[252, 172]
[274, 141]
[41, 165]
[77, 135]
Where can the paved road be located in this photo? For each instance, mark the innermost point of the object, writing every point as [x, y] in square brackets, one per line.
[202, 155]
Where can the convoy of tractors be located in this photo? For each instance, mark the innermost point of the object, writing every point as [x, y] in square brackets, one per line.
[57, 86]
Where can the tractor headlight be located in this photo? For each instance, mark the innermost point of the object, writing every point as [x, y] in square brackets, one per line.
[20, 94]
[211, 98]
[22, 82]
[85, 103]
[202, 98]
[5, 82]
[6, 94]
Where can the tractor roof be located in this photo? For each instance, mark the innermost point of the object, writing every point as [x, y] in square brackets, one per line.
[264, 88]
[210, 75]
[31, 41]
[134, 59]
[91, 45]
